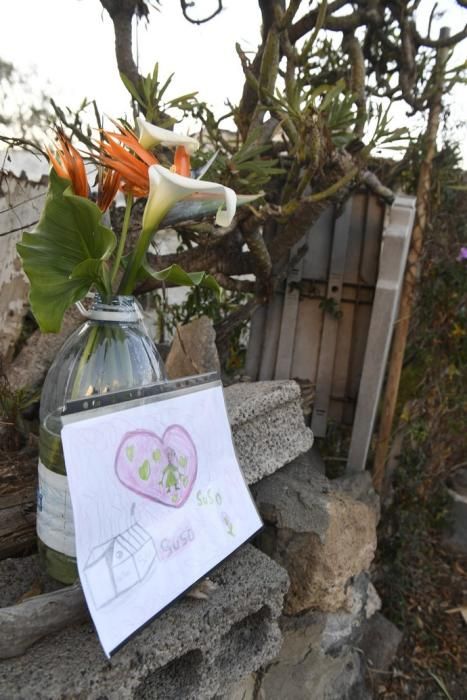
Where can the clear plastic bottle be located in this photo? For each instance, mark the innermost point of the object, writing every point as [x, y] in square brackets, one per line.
[111, 351]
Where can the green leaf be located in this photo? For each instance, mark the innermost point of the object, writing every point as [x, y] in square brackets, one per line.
[199, 208]
[65, 254]
[132, 89]
[130, 452]
[156, 455]
[176, 275]
[144, 471]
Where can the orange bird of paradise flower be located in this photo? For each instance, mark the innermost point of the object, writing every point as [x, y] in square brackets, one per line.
[69, 165]
[131, 163]
[123, 153]
[108, 186]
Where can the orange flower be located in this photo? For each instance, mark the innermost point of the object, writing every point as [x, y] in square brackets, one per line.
[69, 165]
[182, 161]
[108, 185]
[122, 153]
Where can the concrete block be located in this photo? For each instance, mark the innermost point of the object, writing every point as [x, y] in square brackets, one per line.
[192, 651]
[323, 536]
[267, 426]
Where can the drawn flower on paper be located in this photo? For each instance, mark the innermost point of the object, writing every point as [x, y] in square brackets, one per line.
[228, 524]
[160, 468]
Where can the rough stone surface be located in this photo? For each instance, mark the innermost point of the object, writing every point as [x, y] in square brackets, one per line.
[245, 689]
[267, 425]
[193, 350]
[32, 363]
[302, 670]
[20, 204]
[379, 641]
[321, 535]
[194, 650]
[320, 658]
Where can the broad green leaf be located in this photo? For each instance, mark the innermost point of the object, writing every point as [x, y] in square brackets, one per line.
[65, 254]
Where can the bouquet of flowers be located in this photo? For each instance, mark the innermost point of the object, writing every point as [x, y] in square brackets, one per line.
[72, 252]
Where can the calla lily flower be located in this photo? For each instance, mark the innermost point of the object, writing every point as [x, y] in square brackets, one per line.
[166, 188]
[69, 165]
[151, 135]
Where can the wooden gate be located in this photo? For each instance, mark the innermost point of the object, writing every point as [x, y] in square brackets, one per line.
[332, 322]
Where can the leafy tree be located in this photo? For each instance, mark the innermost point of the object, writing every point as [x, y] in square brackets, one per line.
[311, 112]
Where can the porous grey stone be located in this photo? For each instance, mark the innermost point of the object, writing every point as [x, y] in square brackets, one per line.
[245, 689]
[302, 670]
[320, 657]
[321, 535]
[267, 426]
[193, 350]
[193, 650]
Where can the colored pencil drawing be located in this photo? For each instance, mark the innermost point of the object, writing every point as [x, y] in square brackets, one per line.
[161, 469]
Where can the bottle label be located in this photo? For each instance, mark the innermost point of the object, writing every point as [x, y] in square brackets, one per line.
[55, 526]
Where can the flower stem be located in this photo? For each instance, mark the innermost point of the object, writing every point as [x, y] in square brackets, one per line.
[84, 359]
[135, 261]
[123, 235]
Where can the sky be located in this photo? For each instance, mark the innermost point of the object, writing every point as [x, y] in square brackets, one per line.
[68, 46]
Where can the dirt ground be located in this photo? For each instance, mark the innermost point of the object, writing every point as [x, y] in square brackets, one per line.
[423, 586]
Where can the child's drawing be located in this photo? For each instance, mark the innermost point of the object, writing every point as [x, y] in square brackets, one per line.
[228, 524]
[162, 469]
[118, 564]
[131, 568]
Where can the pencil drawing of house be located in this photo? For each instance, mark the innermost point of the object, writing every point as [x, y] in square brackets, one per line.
[119, 564]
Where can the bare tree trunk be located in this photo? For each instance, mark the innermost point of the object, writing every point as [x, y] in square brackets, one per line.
[410, 280]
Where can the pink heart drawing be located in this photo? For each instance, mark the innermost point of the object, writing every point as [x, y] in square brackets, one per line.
[162, 469]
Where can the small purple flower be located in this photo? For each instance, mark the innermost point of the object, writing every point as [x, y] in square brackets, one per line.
[462, 253]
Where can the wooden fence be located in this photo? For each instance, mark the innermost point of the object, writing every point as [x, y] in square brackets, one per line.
[332, 322]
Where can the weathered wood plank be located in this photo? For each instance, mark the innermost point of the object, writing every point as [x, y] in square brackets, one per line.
[308, 340]
[396, 238]
[18, 483]
[23, 624]
[331, 323]
[272, 331]
[289, 319]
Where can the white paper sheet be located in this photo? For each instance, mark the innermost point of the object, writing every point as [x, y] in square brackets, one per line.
[158, 501]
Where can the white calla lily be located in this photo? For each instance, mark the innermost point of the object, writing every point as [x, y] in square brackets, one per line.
[151, 135]
[166, 188]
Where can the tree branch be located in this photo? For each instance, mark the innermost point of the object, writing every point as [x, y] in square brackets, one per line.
[121, 13]
[185, 5]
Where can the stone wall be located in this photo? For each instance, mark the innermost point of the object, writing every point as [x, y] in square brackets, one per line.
[284, 622]
[21, 201]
